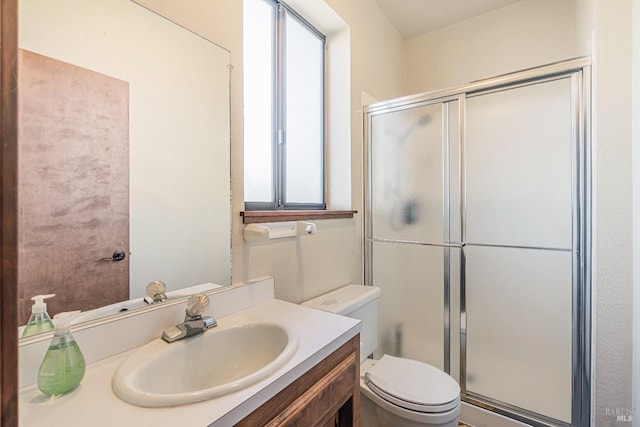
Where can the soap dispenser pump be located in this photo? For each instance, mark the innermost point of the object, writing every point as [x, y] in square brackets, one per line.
[39, 321]
[63, 366]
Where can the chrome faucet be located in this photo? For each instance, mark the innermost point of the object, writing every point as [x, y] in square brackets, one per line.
[156, 292]
[194, 322]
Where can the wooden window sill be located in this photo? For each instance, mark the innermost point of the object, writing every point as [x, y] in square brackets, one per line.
[253, 217]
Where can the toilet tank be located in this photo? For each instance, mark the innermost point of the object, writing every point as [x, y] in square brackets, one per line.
[358, 302]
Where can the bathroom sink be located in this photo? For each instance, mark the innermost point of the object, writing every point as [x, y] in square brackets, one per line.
[222, 360]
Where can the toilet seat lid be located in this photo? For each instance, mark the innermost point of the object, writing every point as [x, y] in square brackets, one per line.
[413, 385]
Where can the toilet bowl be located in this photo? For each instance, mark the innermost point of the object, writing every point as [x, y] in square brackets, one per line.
[395, 392]
[398, 392]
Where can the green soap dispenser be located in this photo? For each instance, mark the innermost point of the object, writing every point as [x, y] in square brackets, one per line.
[63, 365]
[39, 321]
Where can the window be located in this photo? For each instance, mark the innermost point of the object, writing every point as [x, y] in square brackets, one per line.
[284, 109]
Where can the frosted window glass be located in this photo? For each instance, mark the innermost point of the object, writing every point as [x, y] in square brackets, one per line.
[258, 100]
[305, 115]
[407, 175]
[518, 304]
[411, 310]
[519, 166]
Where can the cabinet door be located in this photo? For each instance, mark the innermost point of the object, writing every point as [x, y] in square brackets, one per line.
[321, 403]
[519, 166]
[327, 395]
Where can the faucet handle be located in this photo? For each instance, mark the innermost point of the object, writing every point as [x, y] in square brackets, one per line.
[194, 322]
[197, 305]
[156, 291]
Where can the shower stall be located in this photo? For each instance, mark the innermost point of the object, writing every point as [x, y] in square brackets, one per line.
[477, 230]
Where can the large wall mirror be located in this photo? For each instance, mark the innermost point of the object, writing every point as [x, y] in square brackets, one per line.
[124, 164]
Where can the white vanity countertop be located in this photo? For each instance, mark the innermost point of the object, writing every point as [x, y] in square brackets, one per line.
[94, 403]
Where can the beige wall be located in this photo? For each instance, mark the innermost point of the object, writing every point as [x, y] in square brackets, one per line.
[636, 205]
[492, 44]
[612, 269]
[584, 21]
[308, 266]
[526, 34]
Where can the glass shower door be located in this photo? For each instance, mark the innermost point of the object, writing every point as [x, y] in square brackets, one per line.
[477, 230]
[409, 227]
[519, 255]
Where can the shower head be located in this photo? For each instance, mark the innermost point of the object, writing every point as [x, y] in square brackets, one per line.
[424, 120]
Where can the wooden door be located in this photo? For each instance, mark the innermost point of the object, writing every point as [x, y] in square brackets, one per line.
[73, 183]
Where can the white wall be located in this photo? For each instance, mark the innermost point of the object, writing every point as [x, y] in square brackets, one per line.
[523, 35]
[308, 266]
[585, 24]
[526, 34]
[606, 27]
[636, 208]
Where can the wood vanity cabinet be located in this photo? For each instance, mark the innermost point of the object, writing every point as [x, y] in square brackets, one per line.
[326, 396]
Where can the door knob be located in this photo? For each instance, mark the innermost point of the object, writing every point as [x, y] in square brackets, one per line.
[118, 255]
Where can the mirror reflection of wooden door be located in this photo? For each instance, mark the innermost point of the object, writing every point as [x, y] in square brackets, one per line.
[73, 185]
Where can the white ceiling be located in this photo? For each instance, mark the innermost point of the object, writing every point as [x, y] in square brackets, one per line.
[415, 17]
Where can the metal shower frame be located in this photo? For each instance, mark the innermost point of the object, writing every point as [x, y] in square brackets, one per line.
[579, 72]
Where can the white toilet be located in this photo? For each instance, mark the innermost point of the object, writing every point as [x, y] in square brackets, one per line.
[395, 392]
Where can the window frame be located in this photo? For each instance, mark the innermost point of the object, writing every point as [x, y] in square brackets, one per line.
[278, 119]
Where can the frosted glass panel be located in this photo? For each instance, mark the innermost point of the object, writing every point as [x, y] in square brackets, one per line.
[519, 328]
[411, 311]
[304, 118]
[258, 100]
[407, 175]
[519, 166]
